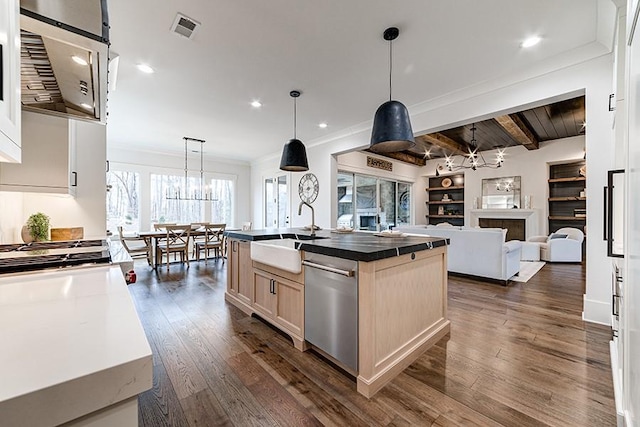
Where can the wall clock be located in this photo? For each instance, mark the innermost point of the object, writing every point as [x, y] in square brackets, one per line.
[308, 188]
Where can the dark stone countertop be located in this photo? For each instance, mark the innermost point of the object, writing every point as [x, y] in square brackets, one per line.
[357, 246]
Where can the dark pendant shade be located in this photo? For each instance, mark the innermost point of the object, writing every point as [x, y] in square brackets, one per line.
[391, 129]
[294, 157]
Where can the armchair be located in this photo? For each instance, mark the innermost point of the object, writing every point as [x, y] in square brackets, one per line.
[565, 245]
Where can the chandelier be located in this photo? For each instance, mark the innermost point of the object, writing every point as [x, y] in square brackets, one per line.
[474, 160]
[201, 192]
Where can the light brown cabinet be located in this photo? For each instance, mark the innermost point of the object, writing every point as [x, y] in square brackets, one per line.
[240, 271]
[280, 300]
[275, 295]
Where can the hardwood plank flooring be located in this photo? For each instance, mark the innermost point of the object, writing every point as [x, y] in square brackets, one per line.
[516, 356]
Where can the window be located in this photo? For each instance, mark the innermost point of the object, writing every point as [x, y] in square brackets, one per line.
[178, 211]
[222, 192]
[123, 201]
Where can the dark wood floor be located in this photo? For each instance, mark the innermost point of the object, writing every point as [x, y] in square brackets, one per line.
[516, 356]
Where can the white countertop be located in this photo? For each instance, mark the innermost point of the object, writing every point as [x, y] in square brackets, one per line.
[71, 343]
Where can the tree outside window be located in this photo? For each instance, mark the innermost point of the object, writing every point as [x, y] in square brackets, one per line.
[123, 201]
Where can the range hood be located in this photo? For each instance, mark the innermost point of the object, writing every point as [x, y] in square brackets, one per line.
[64, 57]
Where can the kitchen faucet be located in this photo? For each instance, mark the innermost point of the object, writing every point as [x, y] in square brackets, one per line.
[313, 217]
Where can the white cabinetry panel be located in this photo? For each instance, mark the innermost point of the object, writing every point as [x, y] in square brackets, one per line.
[10, 84]
[48, 152]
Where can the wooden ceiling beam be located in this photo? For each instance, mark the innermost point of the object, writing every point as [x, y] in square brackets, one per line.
[404, 156]
[515, 127]
[449, 145]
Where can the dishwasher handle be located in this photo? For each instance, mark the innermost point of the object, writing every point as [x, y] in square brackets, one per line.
[348, 273]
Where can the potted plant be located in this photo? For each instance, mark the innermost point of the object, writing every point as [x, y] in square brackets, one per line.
[37, 227]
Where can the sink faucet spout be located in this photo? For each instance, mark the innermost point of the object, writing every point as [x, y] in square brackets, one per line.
[313, 217]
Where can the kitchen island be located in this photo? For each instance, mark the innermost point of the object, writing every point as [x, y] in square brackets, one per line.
[73, 349]
[401, 298]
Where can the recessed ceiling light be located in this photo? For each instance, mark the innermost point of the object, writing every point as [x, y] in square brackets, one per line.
[322, 125]
[256, 104]
[87, 106]
[79, 60]
[145, 68]
[531, 41]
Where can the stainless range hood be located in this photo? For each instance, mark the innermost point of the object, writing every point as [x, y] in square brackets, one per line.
[64, 57]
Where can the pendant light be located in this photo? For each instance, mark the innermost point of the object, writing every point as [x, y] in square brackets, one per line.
[391, 125]
[294, 155]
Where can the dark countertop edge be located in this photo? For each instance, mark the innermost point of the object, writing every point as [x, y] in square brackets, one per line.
[308, 246]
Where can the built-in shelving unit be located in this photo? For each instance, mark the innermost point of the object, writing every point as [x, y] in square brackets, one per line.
[445, 203]
[567, 202]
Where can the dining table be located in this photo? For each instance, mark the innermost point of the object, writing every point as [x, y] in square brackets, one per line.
[155, 236]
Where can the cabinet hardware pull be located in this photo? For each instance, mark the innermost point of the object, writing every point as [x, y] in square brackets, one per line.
[611, 107]
[274, 286]
[108, 166]
[75, 179]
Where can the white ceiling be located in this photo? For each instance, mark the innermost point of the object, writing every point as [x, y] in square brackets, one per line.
[332, 51]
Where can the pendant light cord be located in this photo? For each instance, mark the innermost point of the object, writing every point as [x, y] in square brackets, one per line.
[390, 65]
[295, 121]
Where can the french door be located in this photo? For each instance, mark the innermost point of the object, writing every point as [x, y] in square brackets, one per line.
[276, 206]
[370, 203]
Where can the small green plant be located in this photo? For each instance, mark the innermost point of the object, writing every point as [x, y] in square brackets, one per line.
[38, 225]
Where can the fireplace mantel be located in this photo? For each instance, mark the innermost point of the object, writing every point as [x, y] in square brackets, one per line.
[529, 215]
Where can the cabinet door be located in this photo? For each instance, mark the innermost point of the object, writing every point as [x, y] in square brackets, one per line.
[245, 272]
[234, 271]
[289, 306]
[263, 297]
[10, 114]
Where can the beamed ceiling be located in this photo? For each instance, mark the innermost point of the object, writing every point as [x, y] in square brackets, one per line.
[528, 128]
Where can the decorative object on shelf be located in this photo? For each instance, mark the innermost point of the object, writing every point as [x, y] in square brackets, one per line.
[294, 154]
[391, 125]
[440, 210]
[446, 183]
[583, 171]
[583, 193]
[37, 228]
[308, 188]
[445, 198]
[527, 202]
[474, 160]
[580, 212]
[202, 193]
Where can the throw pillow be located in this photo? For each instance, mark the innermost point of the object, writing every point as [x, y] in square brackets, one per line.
[558, 236]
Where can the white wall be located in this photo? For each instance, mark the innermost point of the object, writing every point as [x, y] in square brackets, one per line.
[533, 168]
[591, 77]
[86, 210]
[147, 162]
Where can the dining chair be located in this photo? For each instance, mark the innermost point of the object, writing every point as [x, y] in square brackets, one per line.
[246, 226]
[214, 240]
[162, 225]
[136, 246]
[197, 238]
[176, 242]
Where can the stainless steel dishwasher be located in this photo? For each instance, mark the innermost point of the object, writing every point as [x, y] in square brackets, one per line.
[331, 306]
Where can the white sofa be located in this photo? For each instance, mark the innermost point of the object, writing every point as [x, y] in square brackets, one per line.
[476, 251]
[565, 245]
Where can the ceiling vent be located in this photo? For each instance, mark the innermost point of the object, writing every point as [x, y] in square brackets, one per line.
[184, 26]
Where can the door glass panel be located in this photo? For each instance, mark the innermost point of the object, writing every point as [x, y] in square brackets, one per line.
[366, 203]
[404, 204]
[345, 200]
[387, 205]
[283, 208]
[270, 204]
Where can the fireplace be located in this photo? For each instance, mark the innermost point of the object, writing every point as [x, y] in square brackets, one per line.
[527, 220]
[515, 227]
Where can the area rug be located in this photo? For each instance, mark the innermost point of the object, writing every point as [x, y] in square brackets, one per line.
[528, 269]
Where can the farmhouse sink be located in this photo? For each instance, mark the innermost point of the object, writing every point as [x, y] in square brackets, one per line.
[279, 253]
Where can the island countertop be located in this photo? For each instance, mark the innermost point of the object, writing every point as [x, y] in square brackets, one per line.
[356, 246]
[72, 344]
